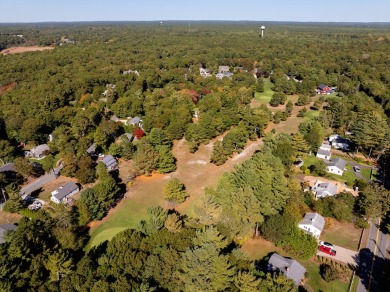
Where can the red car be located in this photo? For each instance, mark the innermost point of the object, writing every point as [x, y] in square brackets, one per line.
[327, 250]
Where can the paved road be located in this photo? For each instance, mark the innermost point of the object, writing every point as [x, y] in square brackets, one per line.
[37, 184]
[344, 255]
[372, 260]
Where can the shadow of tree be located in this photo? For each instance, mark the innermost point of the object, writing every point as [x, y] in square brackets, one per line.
[374, 272]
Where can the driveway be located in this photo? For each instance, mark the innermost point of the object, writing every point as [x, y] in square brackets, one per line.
[343, 255]
[361, 166]
[38, 183]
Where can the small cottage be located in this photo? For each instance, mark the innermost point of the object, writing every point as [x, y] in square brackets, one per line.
[313, 224]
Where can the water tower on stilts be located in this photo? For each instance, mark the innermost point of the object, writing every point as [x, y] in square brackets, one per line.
[262, 31]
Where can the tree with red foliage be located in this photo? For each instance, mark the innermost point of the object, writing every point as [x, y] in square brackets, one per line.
[138, 133]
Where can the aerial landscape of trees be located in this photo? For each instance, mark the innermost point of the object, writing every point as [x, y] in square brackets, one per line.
[86, 92]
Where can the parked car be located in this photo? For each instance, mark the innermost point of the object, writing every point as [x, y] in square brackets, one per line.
[327, 250]
[356, 168]
[327, 244]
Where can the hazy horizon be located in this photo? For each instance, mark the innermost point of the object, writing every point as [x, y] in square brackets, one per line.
[347, 11]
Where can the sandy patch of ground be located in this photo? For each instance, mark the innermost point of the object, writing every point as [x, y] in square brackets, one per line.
[19, 50]
[6, 217]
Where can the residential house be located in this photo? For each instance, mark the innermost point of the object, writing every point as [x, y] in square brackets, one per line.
[322, 190]
[92, 150]
[63, 193]
[312, 223]
[205, 72]
[289, 267]
[40, 151]
[336, 166]
[128, 136]
[224, 71]
[131, 71]
[110, 162]
[339, 143]
[324, 152]
[136, 121]
[9, 167]
[324, 89]
[4, 228]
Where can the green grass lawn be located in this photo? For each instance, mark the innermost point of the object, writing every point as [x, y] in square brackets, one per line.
[128, 216]
[343, 234]
[266, 95]
[366, 172]
[310, 114]
[318, 284]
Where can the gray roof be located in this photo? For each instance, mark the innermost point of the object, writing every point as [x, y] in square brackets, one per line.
[324, 152]
[109, 160]
[8, 167]
[135, 120]
[289, 267]
[314, 219]
[38, 151]
[4, 228]
[338, 162]
[65, 190]
[129, 136]
[325, 187]
[325, 146]
[91, 148]
[222, 69]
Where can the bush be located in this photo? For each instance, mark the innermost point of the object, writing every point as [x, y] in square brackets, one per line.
[301, 113]
[277, 99]
[329, 273]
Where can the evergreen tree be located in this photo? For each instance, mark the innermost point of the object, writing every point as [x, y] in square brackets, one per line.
[218, 156]
[299, 144]
[174, 192]
[145, 159]
[166, 160]
[246, 282]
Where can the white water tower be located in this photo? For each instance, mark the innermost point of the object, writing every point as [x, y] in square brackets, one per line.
[262, 31]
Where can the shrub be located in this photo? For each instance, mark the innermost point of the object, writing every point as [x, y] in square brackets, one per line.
[329, 273]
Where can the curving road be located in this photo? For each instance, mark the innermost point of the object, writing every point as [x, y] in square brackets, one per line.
[38, 183]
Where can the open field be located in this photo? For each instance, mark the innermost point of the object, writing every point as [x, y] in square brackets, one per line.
[192, 169]
[266, 95]
[6, 217]
[19, 50]
[343, 234]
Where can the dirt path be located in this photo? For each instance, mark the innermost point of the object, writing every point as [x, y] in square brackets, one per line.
[18, 50]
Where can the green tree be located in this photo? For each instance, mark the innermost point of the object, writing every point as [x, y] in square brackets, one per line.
[86, 172]
[218, 156]
[145, 159]
[174, 192]
[246, 282]
[173, 223]
[299, 144]
[374, 201]
[166, 160]
[23, 166]
[6, 151]
[277, 283]
[157, 137]
[59, 264]
[329, 273]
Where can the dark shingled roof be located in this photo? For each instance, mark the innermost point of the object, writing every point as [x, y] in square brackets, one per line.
[289, 267]
[8, 167]
[65, 190]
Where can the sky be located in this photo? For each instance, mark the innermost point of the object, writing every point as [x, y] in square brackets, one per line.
[156, 10]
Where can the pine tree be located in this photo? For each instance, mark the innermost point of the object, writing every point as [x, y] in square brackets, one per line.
[299, 144]
[208, 211]
[145, 159]
[173, 223]
[246, 282]
[174, 191]
[218, 156]
[166, 160]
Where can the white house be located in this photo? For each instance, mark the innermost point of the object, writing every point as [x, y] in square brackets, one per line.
[336, 166]
[339, 142]
[322, 190]
[324, 152]
[205, 72]
[312, 223]
[63, 193]
[40, 151]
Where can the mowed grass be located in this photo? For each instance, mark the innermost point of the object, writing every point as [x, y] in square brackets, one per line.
[266, 95]
[129, 212]
[343, 234]
[257, 249]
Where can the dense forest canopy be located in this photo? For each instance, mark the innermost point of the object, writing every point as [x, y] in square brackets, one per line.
[100, 73]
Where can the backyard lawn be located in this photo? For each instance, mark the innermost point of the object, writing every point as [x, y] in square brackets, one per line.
[257, 249]
[343, 234]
